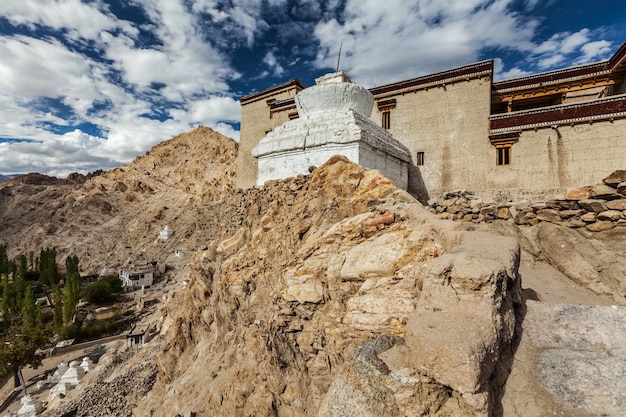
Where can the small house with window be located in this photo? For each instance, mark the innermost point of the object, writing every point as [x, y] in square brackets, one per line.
[135, 277]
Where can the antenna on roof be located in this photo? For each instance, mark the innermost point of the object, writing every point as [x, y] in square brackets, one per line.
[339, 56]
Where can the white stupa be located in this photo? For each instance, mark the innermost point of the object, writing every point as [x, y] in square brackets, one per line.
[87, 364]
[58, 391]
[73, 375]
[30, 407]
[58, 374]
[166, 233]
[334, 120]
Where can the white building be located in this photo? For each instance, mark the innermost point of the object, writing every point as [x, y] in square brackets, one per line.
[134, 277]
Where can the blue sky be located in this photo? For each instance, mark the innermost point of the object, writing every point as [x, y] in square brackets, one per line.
[88, 85]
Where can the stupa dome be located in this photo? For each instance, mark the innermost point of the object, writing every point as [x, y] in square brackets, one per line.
[334, 92]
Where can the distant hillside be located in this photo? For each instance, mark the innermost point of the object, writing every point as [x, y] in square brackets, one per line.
[109, 217]
[8, 177]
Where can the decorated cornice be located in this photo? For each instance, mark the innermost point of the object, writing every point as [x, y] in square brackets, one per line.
[598, 69]
[603, 109]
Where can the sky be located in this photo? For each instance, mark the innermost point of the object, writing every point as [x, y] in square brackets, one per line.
[88, 85]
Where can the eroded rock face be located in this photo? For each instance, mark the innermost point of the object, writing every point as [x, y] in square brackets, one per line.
[290, 321]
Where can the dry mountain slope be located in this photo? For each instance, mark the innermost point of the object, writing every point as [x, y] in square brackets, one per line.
[119, 213]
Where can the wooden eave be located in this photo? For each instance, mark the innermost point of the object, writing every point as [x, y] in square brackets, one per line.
[553, 83]
[272, 91]
[464, 73]
[609, 108]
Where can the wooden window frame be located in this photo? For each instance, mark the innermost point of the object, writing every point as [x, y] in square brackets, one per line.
[386, 121]
[419, 159]
[503, 155]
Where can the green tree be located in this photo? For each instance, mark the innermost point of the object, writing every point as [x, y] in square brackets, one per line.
[30, 311]
[47, 265]
[102, 291]
[71, 294]
[57, 308]
[20, 347]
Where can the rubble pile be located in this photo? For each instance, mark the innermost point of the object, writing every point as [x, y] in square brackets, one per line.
[113, 388]
[596, 208]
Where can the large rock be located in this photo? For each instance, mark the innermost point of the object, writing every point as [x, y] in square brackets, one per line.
[465, 318]
[582, 354]
[615, 178]
[589, 262]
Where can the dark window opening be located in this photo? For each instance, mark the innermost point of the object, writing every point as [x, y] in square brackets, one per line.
[503, 155]
[386, 120]
[420, 159]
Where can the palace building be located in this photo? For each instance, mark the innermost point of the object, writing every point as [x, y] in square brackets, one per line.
[529, 137]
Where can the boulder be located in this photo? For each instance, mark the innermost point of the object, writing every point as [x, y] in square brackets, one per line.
[549, 215]
[581, 354]
[466, 316]
[604, 192]
[586, 261]
[615, 178]
[594, 205]
[600, 226]
[616, 204]
[580, 193]
[610, 215]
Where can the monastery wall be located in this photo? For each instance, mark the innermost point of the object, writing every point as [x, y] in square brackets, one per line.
[256, 121]
[547, 161]
[449, 123]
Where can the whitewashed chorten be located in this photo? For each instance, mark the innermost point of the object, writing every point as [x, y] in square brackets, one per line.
[334, 119]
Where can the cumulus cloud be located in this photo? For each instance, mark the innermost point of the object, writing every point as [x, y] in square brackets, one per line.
[272, 63]
[92, 68]
[395, 39]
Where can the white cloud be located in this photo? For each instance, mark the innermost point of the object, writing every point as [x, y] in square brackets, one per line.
[396, 39]
[270, 61]
[594, 50]
[192, 73]
[79, 19]
[501, 74]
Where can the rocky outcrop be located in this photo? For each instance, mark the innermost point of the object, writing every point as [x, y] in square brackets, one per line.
[109, 217]
[571, 361]
[336, 264]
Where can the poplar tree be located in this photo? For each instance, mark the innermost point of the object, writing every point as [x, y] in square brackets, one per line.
[71, 291]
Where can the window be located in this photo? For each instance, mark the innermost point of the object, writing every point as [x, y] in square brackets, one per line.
[503, 155]
[386, 120]
[419, 160]
[503, 143]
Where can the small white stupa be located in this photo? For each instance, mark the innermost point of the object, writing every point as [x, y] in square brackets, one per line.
[30, 407]
[334, 119]
[87, 364]
[58, 391]
[58, 374]
[166, 233]
[73, 375]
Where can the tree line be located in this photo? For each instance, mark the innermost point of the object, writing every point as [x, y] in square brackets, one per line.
[23, 327]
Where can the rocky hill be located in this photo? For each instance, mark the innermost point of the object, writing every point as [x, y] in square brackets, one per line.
[334, 294]
[106, 219]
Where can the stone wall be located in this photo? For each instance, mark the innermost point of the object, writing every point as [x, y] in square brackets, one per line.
[596, 208]
[449, 123]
